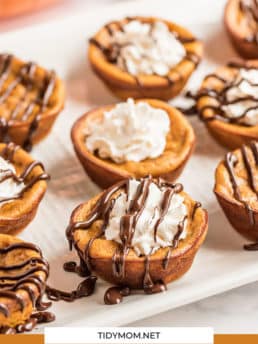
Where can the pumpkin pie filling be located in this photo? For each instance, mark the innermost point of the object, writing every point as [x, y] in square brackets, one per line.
[155, 135]
[144, 57]
[138, 234]
[30, 100]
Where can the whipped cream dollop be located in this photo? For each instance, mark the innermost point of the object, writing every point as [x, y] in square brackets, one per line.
[147, 48]
[143, 241]
[243, 96]
[8, 187]
[129, 132]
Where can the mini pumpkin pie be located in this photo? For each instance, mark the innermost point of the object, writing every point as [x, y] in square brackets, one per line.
[133, 139]
[228, 104]
[236, 189]
[30, 100]
[23, 275]
[241, 20]
[144, 57]
[22, 186]
[138, 234]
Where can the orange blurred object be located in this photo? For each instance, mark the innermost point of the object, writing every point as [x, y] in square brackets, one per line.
[11, 8]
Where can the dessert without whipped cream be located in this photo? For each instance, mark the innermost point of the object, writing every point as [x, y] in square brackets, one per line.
[23, 276]
[228, 103]
[22, 186]
[129, 132]
[143, 57]
[236, 190]
[138, 234]
[30, 100]
[133, 139]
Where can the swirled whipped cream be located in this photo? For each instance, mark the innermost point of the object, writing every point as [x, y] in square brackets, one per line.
[243, 97]
[8, 186]
[129, 132]
[144, 239]
[147, 48]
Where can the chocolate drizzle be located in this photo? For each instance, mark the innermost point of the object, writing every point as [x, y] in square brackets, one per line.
[112, 51]
[128, 223]
[28, 280]
[85, 288]
[32, 111]
[231, 161]
[219, 98]
[8, 154]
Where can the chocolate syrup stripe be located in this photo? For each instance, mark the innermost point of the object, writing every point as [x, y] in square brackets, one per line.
[128, 225]
[230, 163]
[11, 283]
[221, 97]
[25, 76]
[112, 52]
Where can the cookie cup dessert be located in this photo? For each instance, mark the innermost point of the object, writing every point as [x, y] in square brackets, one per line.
[22, 187]
[236, 189]
[240, 19]
[228, 105]
[23, 277]
[139, 234]
[148, 137]
[31, 99]
[144, 57]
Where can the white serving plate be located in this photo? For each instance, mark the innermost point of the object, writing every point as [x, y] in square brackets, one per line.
[221, 263]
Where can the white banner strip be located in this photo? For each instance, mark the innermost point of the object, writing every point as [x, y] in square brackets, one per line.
[128, 335]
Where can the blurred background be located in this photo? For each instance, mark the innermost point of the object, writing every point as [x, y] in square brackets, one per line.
[15, 14]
